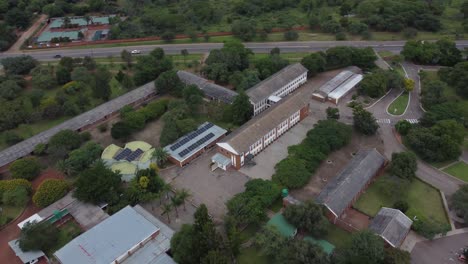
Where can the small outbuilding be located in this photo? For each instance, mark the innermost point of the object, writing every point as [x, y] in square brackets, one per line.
[392, 225]
[282, 225]
[26, 256]
[338, 87]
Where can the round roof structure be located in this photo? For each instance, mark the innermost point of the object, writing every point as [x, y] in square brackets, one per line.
[110, 151]
[124, 167]
[134, 145]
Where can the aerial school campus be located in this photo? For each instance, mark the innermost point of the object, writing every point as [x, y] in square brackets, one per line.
[234, 152]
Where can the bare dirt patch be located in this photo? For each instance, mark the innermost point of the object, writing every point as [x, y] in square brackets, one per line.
[336, 163]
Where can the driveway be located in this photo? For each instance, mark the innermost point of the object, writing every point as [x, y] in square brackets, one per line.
[213, 188]
[278, 150]
[440, 251]
[27, 34]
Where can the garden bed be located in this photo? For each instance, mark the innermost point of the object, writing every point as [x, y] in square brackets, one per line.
[398, 106]
[9, 213]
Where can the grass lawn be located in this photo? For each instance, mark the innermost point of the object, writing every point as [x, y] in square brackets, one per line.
[420, 196]
[441, 164]
[9, 213]
[252, 255]
[337, 236]
[67, 232]
[459, 170]
[398, 106]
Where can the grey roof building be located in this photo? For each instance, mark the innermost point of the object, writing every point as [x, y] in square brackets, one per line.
[392, 225]
[211, 90]
[275, 82]
[340, 192]
[131, 235]
[90, 117]
[25, 256]
[243, 137]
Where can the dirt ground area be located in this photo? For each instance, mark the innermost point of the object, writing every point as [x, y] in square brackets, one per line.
[335, 163]
[151, 133]
[355, 219]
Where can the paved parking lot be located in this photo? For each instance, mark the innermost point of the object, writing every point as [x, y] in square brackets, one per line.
[212, 188]
[440, 251]
[278, 150]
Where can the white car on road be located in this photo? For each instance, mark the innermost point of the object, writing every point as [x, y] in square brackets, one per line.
[136, 51]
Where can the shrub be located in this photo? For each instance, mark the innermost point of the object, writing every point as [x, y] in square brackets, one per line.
[7, 185]
[26, 168]
[64, 140]
[340, 36]
[102, 127]
[16, 197]
[49, 192]
[40, 149]
[403, 127]
[11, 138]
[401, 205]
[291, 35]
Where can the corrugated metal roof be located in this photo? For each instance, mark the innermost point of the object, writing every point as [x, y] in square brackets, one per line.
[275, 82]
[25, 256]
[331, 85]
[392, 225]
[261, 124]
[108, 240]
[176, 149]
[340, 192]
[346, 86]
[210, 89]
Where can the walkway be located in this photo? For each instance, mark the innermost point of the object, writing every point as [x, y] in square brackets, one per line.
[16, 47]
[84, 120]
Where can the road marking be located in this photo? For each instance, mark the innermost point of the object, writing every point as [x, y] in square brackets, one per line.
[413, 121]
[383, 121]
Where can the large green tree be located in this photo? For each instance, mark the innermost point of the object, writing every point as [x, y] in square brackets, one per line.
[404, 165]
[309, 217]
[169, 83]
[26, 168]
[460, 201]
[80, 159]
[365, 247]
[101, 87]
[148, 68]
[38, 236]
[19, 65]
[364, 121]
[315, 63]
[241, 110]
[92, 189]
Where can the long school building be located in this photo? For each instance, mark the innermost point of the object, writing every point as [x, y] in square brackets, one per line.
[277, 86]
[262, 130]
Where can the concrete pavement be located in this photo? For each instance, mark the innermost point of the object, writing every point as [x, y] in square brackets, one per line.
[265, 47]
[439, 251]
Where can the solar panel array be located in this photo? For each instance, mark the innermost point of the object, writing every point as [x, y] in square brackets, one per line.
[123, 154]
[135, 154]
[191, 136]
[196, 145]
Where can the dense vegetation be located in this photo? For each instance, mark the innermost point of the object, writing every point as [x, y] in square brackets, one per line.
[303, 159]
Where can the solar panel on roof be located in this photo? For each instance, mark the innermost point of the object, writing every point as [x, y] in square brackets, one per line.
[209, 125]
[135, 154]
[123, 154]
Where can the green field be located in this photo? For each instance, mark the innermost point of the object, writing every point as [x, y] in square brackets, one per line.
[421, 196]
[337, 236]
[67, 232]
[459, 170]
[398, 106]
[9, 213]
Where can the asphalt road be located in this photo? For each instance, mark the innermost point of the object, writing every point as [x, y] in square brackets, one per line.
[440, 251]
[293, 46]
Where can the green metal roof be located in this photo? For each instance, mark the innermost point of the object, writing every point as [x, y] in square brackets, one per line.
[325, 245]
[285, 228]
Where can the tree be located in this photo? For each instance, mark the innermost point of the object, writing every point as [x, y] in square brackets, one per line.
[26, 168]
[67, 63]
[92, 189]
[270, 241]
[127, 82]
[374, 84]
[148, 68]
[241, 109]
[184, 53]
[403, 127]
[64, 141]
[50, 191]
[309, 217]
[302, 251]
[456, 77]
[101, 88]
[432, 147]
[126, 57]
[433, 93]
[244, 29]
[17, 197]
[160, 155]
[364, 121]
[43, 78]
[404, 165]
[183, 195]
[89, 63]
[331, 26]
[176, 202]
[182, 244]
[409, 85]
[169, 83]
[19, 65]
[460, 201]
[62, 75]
[38, 236]
[396, 256]
[121, 130]
[291, 172]
[315, 63]
[333, 113]
[193, 96]
[365, 247]
[81, 74]
[9, 90]
[357, 28]
[290, 35]
[80, 159]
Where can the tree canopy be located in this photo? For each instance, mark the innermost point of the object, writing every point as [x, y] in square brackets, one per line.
[460, 201]
[26, 168]
[38, 236]
[364, 121]
[309, 217]
[403, 165]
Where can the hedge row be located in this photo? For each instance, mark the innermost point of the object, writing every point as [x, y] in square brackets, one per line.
[49, 192]
[303, 159]
[9, 185]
